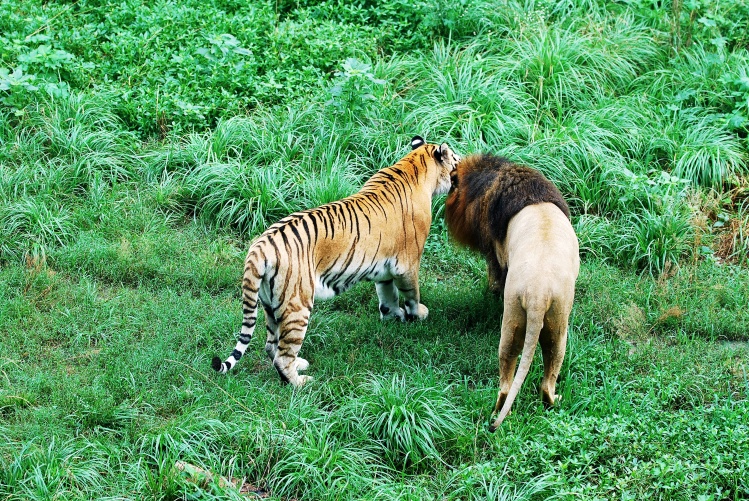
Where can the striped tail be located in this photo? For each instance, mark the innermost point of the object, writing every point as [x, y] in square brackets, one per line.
[254, 272]
[534, 323]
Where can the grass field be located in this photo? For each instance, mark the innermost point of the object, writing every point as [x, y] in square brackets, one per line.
[144, 144]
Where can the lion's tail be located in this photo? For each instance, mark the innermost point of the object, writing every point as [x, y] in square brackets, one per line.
[533, 324]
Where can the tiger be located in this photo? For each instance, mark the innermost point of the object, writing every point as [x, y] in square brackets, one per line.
[377, 234]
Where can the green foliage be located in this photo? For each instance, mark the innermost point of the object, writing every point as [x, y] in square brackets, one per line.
[723, 22]
[356, 84]
[142, 146]
[112, 387]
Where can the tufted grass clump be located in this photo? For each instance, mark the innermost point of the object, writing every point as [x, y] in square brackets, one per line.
[317, 463]
[657, 241]
[55, 469]
[489, 481]
[708, 155]
[70, 141]
[239, 195]
[32, 226]
[412, 423]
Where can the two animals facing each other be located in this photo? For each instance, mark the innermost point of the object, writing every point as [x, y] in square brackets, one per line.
[378, 234]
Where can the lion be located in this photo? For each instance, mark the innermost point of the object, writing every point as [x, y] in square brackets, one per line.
[519, 220]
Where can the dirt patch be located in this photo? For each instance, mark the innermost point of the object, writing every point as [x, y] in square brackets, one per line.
[631, 325]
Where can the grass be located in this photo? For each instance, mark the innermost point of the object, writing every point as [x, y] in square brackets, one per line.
[123, 370]
[143, 146]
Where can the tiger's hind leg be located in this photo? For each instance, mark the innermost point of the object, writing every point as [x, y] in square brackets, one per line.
[292, 328]
[389, 305]
[271, 327]
[271, 342]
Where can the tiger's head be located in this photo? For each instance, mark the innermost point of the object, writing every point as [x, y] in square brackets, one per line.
[444, 158]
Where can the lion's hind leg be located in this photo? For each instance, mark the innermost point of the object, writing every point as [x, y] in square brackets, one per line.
[553, 341]
[510, 347]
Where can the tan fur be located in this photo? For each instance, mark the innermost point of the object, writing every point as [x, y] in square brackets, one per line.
[535, 265]
[377, 234]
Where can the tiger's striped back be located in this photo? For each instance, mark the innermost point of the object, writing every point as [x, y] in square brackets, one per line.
[376, 234]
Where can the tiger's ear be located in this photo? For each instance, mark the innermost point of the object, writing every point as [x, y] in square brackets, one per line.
[416, 142]
[440, 152]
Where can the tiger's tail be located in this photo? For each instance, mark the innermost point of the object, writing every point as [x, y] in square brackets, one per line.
[533, 325]
[254, 272]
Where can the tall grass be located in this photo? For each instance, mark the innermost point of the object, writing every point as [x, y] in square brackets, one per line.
[56, 469]
[238, 195]
[656, 241]
[62, 151]
[79, 138]
[709, 155]
[321, 465]
[489, 481]
[410, 422]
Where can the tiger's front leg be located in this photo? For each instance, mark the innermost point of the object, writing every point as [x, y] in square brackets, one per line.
[408, 285]
[389, 301]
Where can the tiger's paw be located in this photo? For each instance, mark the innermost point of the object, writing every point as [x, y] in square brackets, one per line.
[421, 313]
[302, 380]
[387, 313]
[301, 364]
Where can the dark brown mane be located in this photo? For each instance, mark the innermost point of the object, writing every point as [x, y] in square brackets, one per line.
[487, 192]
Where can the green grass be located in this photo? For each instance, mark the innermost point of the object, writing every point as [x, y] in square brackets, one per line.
[143, 146]
[122, 372]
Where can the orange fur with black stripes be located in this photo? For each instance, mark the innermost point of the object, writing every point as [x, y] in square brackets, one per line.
[377, 234]
[520, 222]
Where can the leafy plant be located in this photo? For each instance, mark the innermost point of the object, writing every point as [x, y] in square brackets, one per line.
[655, 190]
[16, 88]
[355, 86]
